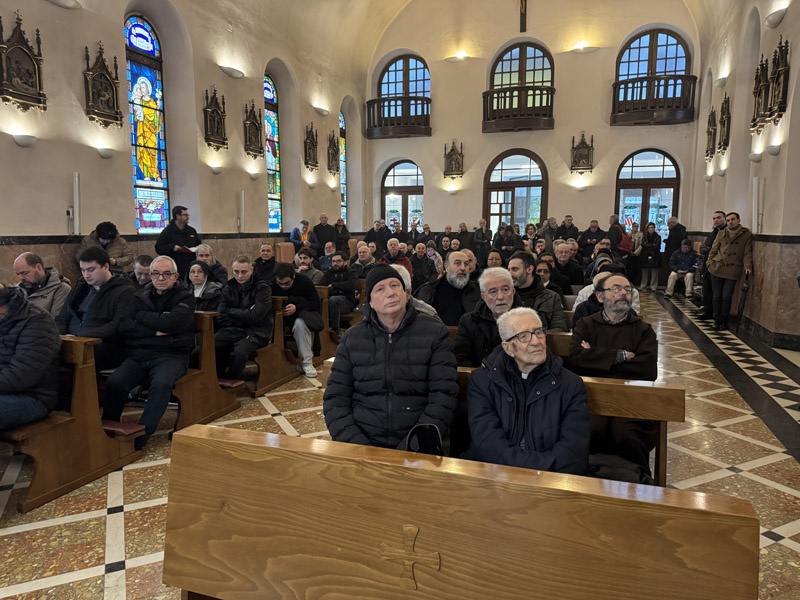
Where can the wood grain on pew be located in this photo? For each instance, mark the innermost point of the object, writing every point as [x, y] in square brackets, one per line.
[257, 515]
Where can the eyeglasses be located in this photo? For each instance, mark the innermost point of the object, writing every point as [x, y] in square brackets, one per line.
[523, 337]
[164, 275]
[616, 289]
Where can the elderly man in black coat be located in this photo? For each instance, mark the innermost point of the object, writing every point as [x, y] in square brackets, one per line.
[393, 370]
[29, 347]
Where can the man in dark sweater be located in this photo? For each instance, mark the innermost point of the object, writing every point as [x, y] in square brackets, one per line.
[454, 294]
[264, 266]
[325, 232]
[568, 267]
[423, 268]
[140, 276]
[342, 296]
[179, 240]
[301, 311]
[29, 355]
[706, 311]
[245, 320]
[96, 307]
[567, 230]
[159, 334]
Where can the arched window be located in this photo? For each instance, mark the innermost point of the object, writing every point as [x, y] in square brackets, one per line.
[273, 156]
[342, 167]
[521, 92]
[515, 189]
[647, 190]
[403, 106]
[146, 116]
[653, 75]
[402, 197]
[406, 76]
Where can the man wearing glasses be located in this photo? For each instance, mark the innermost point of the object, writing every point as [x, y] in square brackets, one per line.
[616, 343]
[158, 330]
[526, 409]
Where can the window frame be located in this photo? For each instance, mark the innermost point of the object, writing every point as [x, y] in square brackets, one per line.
[652, 55]
[274, 106]
[405, 58]
[492, 186]
[521, 72]
[404, 191]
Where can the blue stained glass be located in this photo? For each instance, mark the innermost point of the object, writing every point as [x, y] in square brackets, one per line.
[273, 157]
[140, 35]
[341, 120]
[270, 93]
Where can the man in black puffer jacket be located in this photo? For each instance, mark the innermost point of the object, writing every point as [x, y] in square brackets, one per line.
[245, 321]
[393, 370]
[29, 355]
[159, 334]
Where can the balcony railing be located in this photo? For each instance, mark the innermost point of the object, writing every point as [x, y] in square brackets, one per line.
[398, 117]
[518, 108]
[658, 100]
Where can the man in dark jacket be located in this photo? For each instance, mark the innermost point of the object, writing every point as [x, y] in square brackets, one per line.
[682, 265]
[374, 235]
[245, 319]
[567, 230]
[301, 237]
[567, 266]
[218, 271]
[45, 287]
[393, 370]
[616, 343]
[96, 307]
[140, 276]
[706, 311]
[589, 238]
[454, 294]
[29, 356]
[525, 409]
[325, 232]
[423, 268]
[264, 267]
[179, 240]
[364, 261]
[533, 294]
[159, 334]
[301, 311]
[342, 295]
[677, 233]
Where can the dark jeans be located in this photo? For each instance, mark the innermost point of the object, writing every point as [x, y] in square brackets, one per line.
[723, 294]
[233, 348]
[18, 409]
[337, 305]
[708, 293]
[163, 372]
[107, 356]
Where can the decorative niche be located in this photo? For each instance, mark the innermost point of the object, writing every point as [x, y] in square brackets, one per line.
[771, 88]
[333, 153]
[454, 161]
[21, 71]
[253, 131]
[102, 89]
[214, 121]
[711, 135]
[310, 148]
[724, 125]
[582, 155]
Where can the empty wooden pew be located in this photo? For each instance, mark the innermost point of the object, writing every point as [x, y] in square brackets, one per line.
[284, 252]
[70, 449]
[258, 515]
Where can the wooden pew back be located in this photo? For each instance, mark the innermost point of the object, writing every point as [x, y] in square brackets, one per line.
[252, 514]
[284, 252]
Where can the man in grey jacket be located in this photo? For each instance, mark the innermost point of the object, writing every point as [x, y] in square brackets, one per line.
[44, 286]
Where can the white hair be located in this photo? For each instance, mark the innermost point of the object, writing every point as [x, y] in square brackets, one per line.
[494, 273]
[392, 240]
[205, 247]
[162, 257]
[404, 275]
[504, 324]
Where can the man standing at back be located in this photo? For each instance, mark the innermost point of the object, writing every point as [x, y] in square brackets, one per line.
[325, 232]
[677, 233]
[731, 254]
[707, 311]
[454, 294]
[423, 268]
[179, 240]
[44, 286]
[533, 294]
[342, 295]
[567, 230]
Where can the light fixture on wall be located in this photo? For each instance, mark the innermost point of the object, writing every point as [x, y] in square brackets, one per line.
[720, 82]
[216, 168]
[721, 172]
[452, 189]
[584, 48]
[707, 177]
[774, 150]
[459, 56]
[106, 152]
[321, 110]
[773, 19]
[231, 71]
[755, 157]
[254, 175]
[24, 140]
[70, 4]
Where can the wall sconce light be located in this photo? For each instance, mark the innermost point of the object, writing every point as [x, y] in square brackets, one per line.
[321, 110]
[720, 172]
[459, 56]
[254, 175]
[755, 157]
[584, 48]
[311, 183]
[774, 150]
[452, 189]
[70, 4]
[773, 19]
[231, 71]
[106, 152]
[721, 81]
[707, 177]
[24, 140]
[216, 169]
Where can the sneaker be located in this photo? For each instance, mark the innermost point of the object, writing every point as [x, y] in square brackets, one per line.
[309, 371]
[667, 295]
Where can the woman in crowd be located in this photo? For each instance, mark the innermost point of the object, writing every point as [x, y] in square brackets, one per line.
[545, 271]
[342, 237]
[435, 257]
[650, 257]
[530, 233]
[206, 292]
[495, 259]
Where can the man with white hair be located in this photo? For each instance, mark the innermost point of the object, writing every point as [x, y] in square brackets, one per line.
[454, 294]
[393, 256]
[325, 232]
[525, 409]
[158, 330]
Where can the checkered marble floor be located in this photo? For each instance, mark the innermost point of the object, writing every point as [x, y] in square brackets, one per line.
[106, 539]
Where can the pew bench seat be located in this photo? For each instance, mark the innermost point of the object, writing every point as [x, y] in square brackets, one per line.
[121, 430]
[45, 426]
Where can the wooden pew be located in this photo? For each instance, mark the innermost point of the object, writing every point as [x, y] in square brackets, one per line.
[259, 515]
[328, 346]
[273, 368]
[558, 342]
[70, 449]
[570, 316]
[352, 245]
[569, 301]
[453, 331]
[284, 252]
[200, 398]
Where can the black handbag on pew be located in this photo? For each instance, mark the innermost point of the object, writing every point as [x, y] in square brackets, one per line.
[425, 438]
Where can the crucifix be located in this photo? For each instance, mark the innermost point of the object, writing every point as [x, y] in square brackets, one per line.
[523, 16]
[409, 556]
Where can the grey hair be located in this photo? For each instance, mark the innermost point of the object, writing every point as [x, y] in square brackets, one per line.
[392, 240]
[492, 273]
[598, 279]
[162, 257]
[404, 275]
[205, 247]
[504, 321]
[672, 220]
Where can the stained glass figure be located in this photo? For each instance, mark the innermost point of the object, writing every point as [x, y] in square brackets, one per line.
[342, 168]
[273, 156]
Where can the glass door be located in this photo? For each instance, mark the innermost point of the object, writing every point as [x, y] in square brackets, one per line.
[415, 211]
[647, 204]
[527, 205]
[394, 209]
[500, 202]
[660, 210]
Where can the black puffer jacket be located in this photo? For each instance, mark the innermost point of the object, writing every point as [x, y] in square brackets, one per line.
[29, 351]
[342, 282]
[171, 313]
[382, 384]
[248, 306]
[107, 311]
[478, 335]
[424, 271]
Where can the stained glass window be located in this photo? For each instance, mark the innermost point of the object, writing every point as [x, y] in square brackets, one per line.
[342, 167]
[403, 196]
[146, 117]
[273, 156]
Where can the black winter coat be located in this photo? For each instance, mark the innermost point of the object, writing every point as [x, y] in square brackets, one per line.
[572, 271]
[651, 251]
[477, 335]
[552, 418]
[325, 233]
[676, 235]
[29, 351]
[587, 241]
[172, 236]
[110, 306]
[171, 313]
[342, 282]
[218, 272]
[424, 271]
[382, 384]
[264, 269]
[248, 307]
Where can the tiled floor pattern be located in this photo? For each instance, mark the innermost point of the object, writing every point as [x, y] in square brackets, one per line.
[105, 540]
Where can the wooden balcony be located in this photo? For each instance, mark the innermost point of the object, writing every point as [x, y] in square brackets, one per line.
[398, 117]
[518, 108]
[659, 100]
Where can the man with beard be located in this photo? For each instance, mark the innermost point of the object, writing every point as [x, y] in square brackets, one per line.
[44, 286]
[179, 240]
[534, 295]
[706, 311]
[423, 268]
[306, 267]
[342, 296]
[265, 264]
[616, 343]
[731, 254]
[325, 259]
[454, 294]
